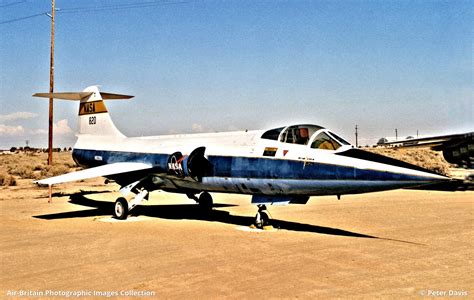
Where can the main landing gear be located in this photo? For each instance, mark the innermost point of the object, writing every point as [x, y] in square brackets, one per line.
[123, 208]
[204, 201]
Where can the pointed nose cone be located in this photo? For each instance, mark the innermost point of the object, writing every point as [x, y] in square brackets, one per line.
[423, 176]
[389, 169]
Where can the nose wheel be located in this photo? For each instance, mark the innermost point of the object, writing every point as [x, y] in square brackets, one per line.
[261, 219]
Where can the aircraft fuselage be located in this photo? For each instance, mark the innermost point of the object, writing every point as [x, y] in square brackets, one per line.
[244, 162]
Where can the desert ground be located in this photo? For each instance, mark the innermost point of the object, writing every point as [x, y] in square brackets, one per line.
[391, 244]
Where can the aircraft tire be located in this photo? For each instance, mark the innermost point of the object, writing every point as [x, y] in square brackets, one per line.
[262, 220]
[121, 208]
[205, 201]
[265, 219]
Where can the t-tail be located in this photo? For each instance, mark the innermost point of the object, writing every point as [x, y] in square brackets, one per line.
[94, 119]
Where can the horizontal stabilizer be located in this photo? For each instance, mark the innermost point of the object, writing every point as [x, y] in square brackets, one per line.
[111, 169]
[64, 96]
[110, 96]
[75, 96]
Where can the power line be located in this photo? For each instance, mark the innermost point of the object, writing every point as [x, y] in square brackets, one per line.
[23, 18]
[13, 3]
[121, 6]
[98, 8]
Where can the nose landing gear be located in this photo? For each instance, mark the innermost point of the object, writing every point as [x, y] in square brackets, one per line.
[262, 221]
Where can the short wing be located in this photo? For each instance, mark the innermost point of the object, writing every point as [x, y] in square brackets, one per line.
[110, 169]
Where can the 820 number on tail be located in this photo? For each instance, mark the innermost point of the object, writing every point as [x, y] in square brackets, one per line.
[92, 120]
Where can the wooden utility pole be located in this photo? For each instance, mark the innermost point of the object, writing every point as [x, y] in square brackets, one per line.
[51, 88]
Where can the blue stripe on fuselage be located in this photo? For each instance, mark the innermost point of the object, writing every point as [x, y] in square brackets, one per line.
[247, 167]
[94, 158]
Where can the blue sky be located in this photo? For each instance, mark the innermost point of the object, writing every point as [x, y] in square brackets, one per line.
[228, 65]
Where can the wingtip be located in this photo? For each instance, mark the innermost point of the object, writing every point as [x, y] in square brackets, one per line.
[39, 183]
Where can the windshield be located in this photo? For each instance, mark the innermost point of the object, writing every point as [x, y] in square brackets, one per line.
[341, 140]
[325, 142]
[272, 134]
[299, 134]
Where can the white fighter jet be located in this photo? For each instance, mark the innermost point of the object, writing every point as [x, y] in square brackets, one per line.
[283, 165]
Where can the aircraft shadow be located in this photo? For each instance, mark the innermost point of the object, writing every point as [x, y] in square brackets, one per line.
[81, 192]
[192, 212]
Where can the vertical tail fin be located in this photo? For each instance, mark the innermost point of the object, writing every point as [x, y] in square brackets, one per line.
[94, 118]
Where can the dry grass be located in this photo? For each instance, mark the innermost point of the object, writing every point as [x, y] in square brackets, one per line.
[7, 179]
[33, 166]
[425, 158]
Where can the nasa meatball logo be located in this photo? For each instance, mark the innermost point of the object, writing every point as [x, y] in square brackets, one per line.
[175, 164]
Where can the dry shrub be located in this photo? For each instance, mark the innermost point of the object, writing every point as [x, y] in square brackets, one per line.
[39, 166]
[65, 158]
[7, 179]
[54, 170]
[23, 170]
[60, 169]
[34, 165]
[425, 158]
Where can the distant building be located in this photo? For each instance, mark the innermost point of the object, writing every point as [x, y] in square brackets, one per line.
[382, 141]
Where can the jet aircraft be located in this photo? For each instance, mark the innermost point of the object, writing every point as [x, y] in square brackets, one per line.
[457, 149]
[282, 165]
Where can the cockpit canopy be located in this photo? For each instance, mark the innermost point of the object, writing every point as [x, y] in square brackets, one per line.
[318, 137]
